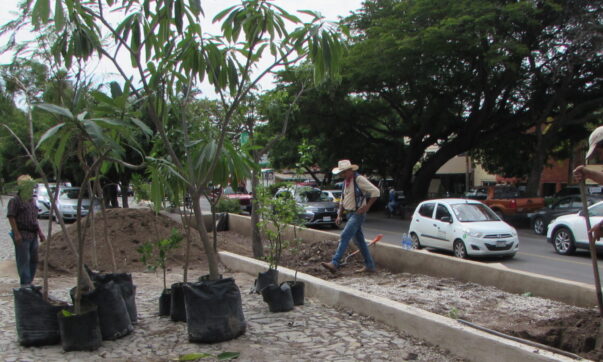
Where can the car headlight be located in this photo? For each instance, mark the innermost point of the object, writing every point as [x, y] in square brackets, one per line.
[474, 234]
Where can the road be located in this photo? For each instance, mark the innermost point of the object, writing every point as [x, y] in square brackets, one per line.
[535, 254]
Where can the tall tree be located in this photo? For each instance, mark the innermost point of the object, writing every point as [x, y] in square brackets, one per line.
[171, 54]
[458, 75]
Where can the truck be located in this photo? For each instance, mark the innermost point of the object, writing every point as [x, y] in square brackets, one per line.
[507, 201]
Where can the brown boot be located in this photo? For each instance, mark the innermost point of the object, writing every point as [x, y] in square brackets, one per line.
[329, 266]
[364, 269]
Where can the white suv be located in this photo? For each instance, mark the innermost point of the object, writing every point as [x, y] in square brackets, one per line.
[466, 227]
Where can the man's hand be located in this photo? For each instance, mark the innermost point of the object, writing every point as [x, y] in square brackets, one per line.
[579, 173]
[42, 237]
[338, 220]
[595, 231]
[362, 210]
[17, 237]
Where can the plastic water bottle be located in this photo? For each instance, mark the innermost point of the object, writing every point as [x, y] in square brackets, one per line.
[406, 242]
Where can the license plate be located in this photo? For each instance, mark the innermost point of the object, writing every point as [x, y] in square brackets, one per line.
[500, 243]
[326, 218]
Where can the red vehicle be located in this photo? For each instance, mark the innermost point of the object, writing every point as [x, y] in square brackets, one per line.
[243, 197]
[508, 201]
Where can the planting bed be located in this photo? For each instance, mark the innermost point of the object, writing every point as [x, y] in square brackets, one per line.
[556, 324]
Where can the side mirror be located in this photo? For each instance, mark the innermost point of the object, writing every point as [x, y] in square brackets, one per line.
[447, 219]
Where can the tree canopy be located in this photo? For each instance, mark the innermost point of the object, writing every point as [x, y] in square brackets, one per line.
[459, 75]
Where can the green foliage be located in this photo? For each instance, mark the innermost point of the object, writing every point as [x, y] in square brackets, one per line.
[228, 205]
[155, 254]
[172, 55]
[66, 313]
[455, 74]
[454, 313]
[273, 188]
[224, 356]
[141, 188]
[276, 214]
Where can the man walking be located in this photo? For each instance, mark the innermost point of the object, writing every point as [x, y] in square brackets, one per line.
[23, 218]
[581, 173]
[358, 196]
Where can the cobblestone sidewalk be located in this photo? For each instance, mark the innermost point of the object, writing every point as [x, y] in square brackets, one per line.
[313, 332]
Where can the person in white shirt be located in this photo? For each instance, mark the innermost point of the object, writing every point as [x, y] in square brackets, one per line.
[358, 195]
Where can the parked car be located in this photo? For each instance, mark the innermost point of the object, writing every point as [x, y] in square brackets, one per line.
[568, 232]
[575, 190]
[466, 227]
[333, 195]
[318, 209]
[541, 219]
[508, 201]
[67, 203]
[42, 196]
[241, 195]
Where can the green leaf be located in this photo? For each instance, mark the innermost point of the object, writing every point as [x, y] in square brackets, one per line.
[60, 150]
[194, 356]
[178, 19]
[56, 110]
[142, 126]
[228, 355]
[40, 13]
[195, 6]
[67, 313]
[116, 90]
[59, 15]
[109, 121]
[49, 134]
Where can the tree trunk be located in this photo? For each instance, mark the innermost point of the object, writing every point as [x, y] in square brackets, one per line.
[533, 186]
[256, 237]
[212, 258]
[423, 177]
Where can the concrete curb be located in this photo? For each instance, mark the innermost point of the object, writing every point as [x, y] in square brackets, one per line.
[445, 332]
[396, 259]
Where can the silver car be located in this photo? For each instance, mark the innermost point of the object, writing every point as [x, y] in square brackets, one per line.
[67, 203]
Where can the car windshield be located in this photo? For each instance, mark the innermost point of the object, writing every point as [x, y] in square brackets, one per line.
[72, 194]
[596, 210]
[311, 195]
[43, 191]
[473, 212]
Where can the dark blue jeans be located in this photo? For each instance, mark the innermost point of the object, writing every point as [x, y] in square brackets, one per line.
[353, 229]
[26, 254]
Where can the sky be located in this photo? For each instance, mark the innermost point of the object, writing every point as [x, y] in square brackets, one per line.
[330, 9]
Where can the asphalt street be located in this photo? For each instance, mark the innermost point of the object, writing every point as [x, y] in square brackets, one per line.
[535, 254]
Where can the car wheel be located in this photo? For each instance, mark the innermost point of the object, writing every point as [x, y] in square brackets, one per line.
[460, 251]
[538, 227]
[416, 244]
[563, 241]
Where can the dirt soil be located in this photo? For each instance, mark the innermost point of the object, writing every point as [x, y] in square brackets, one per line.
[540, 320]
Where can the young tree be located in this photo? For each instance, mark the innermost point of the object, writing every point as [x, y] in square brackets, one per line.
[170, 54]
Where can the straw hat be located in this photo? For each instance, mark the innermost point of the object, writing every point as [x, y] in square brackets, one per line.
[595, 137]
[343, 165]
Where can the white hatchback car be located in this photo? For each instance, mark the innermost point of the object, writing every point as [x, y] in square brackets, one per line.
[568, 232]
[466, 227]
